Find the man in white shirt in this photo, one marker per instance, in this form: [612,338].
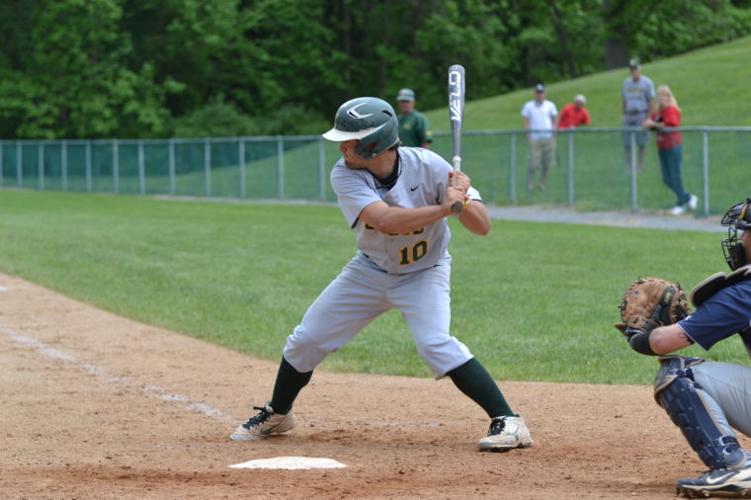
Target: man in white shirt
[540,116]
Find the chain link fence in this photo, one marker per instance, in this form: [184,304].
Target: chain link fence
[591,173]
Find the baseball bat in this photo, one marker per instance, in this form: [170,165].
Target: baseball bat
[456,117]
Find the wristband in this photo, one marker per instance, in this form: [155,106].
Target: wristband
[639,342]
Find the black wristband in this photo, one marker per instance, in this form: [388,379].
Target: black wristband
[639,342]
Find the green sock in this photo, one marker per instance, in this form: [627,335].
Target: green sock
[288,384]
[474,380]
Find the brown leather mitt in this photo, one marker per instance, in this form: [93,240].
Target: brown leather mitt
[652,302]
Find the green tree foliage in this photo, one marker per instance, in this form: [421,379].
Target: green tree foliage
[63,73]
[151,68]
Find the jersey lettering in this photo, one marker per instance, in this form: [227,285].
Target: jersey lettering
[416,231]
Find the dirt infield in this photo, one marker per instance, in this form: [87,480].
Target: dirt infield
[94,406]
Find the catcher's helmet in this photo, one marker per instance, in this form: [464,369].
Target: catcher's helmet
[737,218]
[370,120]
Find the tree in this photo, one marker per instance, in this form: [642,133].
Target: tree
[68,78]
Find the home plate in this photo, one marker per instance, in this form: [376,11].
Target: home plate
[290,463]
[3,289]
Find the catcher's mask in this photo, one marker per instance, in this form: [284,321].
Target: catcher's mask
[737,218]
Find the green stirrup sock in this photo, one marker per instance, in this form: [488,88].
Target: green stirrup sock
[474,380]
[288,384]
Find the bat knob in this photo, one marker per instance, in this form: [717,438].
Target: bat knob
[457,207]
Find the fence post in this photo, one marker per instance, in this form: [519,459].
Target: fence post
[171,166]
[280,166]
[40,165]
[64,163]
[115,166]
[571,168]
[88,166]
[241,162]
[634,203]
[705,169]
[19,164]
[207,167]
[512,167]
[322,167]
[141,169]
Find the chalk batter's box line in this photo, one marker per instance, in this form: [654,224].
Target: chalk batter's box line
[178,400]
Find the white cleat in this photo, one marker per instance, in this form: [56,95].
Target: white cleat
[506,433]
[693,202]
[678,210]
[264,424]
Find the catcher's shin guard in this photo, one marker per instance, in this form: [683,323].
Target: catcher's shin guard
[690,408]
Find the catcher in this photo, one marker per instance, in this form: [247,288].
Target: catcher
[705,399]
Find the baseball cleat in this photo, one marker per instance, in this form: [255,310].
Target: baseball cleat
[733,483]
[264,424]
[506,433]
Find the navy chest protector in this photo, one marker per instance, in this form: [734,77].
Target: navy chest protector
[713,284]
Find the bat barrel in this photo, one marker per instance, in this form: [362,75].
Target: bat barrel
[456,87]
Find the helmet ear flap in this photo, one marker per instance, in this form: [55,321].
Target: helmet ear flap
[366,151]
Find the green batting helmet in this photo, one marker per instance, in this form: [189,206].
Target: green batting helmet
[370,120]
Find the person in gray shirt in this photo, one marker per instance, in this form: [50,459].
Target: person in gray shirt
[637,95]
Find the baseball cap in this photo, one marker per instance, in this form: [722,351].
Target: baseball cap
[539,87]
[580,98]
[406,95]
[634,62]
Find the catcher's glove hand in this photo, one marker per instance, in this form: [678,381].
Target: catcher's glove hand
[649,303]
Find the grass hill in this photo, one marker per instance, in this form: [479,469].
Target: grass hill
[712,86]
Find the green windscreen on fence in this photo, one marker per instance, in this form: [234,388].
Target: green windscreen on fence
[591,170]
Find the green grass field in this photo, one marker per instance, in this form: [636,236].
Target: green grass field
[532,301]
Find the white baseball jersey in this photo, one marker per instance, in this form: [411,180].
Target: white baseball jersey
[408,272]
[422,180]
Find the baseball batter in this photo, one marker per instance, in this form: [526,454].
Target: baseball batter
[397,200]
[706,400]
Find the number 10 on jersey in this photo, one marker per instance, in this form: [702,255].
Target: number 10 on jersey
[415,253]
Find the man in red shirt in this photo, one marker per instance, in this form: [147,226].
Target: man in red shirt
[575,114]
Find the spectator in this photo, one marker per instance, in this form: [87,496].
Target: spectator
[414,129]
[575,114]
[670,147]
[637,94]
[540,119]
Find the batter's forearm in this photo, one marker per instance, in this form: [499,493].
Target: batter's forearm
[475,218]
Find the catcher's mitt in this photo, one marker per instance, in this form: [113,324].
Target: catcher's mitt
[651,302]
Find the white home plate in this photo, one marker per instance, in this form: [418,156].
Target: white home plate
[3,289]
[290,463]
